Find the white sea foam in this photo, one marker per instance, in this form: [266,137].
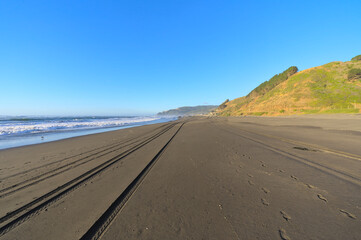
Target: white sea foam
[30,127]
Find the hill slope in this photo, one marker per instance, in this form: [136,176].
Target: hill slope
[188,111]
[330,88]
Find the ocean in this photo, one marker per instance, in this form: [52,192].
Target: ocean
[25,130]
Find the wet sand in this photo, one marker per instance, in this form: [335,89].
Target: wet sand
[196,178]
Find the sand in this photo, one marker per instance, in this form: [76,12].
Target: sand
[196,178]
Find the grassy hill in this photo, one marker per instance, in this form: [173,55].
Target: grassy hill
[331,88]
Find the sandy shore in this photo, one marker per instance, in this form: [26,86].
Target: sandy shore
[196,178]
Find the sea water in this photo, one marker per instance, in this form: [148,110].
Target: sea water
[25,130]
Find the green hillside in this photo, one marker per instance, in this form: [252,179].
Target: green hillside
[331,88]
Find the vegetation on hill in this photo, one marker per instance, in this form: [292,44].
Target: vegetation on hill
[188,111]
[330,88]
[266,86]
[354,74]
[357,58]
[223,105]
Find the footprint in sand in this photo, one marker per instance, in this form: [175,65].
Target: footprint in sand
[285,215]
[265,190]
[249,175]
[350,215]
[321,197]
[250,182]
[309,185]
[294,177]
[282,171]
[283,234]
[263,165]
[264,202]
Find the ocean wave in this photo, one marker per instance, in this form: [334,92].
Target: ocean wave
[50,125]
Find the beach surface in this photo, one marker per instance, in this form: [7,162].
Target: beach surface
[285,178]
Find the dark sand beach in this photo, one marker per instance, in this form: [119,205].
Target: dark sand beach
[293,177]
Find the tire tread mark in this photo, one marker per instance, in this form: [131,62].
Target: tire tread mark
[67,188]
[8,191]
[99,227]
[77,155]
[328,170]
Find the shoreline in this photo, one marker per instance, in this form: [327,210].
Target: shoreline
[8,142]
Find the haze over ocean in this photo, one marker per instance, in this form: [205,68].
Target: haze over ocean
[142,57]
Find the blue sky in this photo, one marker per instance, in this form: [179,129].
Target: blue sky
[141,57]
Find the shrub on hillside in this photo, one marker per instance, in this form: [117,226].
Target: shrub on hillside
[354,73]
[223,105]
[357,58]
[275,80]
[291,70]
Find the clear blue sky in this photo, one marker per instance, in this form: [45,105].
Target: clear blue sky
[140,57]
